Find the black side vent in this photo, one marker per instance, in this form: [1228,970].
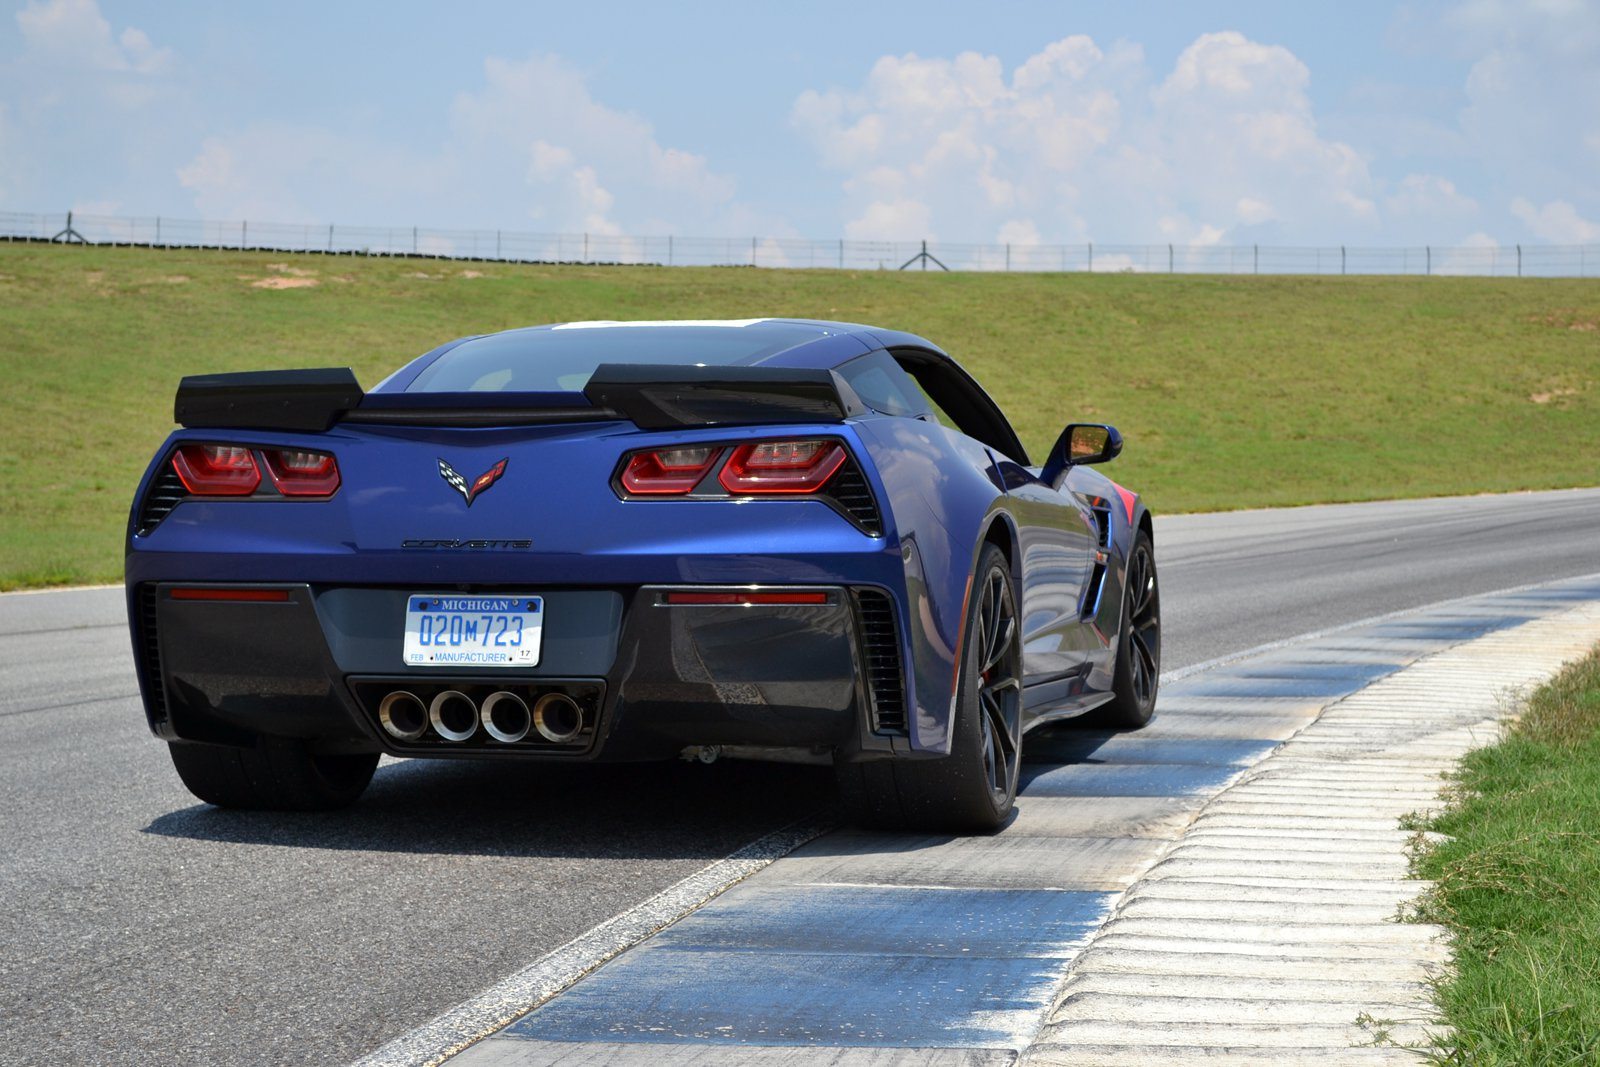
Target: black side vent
[150,652]
[880,654]
[165,493]
[1095,587]
[848,489]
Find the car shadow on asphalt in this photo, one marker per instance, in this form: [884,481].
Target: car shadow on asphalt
[644,810]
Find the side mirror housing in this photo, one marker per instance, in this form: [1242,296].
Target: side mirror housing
[1082,443]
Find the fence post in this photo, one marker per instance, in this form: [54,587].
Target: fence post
[586,248]
[1341,259]
[330,237]
[1169,260]
[841,253]
[1091,257]
[1008,255]
[1255,259]
[1428,249]
[669,249]
[752,251]
[244,230]
[1519,261]
[158,229]
[413,240]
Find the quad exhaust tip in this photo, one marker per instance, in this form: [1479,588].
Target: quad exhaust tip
[557,717]
[403,715]
[505,717]
[454,715]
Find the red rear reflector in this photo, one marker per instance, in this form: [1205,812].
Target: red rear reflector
[253,595]
[781,466]
[299,472]
[747,598]
[216,470]
[668,470]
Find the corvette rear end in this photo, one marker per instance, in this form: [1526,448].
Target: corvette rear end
[574,587]
[613,541]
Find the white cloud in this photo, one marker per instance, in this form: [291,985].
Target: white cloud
[1530,117]
[530,144]
[1019,232]
[890,220]
[1557,222]
[586,166]
[1076,141]
[75,33]
[1253,212]
[1428,196]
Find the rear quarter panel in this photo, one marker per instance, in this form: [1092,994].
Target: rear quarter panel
[942,498]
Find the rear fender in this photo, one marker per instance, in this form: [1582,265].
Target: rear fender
[944,499]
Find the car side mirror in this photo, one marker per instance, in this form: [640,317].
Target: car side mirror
[1079,444]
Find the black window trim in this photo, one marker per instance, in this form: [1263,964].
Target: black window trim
[962,398]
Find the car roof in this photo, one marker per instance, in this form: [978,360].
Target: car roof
[770,342]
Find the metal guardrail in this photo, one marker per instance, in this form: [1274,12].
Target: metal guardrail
[839,254]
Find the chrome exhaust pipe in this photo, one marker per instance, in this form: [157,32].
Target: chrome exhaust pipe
[505,717]
[557,717]
[454,715]
[403,715]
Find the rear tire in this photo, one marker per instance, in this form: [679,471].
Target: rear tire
[1137,675]
[974,788]
[272,776]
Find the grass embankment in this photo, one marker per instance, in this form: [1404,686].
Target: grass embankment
[1232,391]
[1520,885]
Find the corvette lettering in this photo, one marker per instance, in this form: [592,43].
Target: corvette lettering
[424,542]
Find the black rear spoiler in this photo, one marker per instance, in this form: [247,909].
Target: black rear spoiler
[267,399]
[653,397]
[661,397]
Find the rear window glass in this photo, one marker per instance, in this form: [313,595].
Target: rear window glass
[561,360]
[883,386]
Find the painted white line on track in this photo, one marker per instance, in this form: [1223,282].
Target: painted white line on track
[1314,635]
[509,999]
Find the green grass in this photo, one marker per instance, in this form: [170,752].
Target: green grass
[1520,886]
[1232,391]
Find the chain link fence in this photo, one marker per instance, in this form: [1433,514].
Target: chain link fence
[839,254]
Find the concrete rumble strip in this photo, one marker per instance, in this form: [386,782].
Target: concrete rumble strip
[1268,930]
[1221,887]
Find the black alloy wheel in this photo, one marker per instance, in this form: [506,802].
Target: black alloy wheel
[974,788]
[1137,676]
[999,686]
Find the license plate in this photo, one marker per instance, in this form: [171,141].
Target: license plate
[473,631]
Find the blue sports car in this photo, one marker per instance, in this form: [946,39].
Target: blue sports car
[763,539]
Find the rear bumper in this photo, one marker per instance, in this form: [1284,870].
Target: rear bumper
[651,677]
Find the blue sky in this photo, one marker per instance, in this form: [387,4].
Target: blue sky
[1468,122]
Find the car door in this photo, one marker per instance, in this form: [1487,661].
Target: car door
[1056,529]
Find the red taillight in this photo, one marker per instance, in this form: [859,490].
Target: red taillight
[216,470]
[255,596]
[781,466]
[668,470]
[297,472]
[744,598]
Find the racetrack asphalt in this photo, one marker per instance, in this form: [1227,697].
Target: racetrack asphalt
[142,926]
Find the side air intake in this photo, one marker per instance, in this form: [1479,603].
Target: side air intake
[165,493]
[849,490]
[880,655]
[150,652]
